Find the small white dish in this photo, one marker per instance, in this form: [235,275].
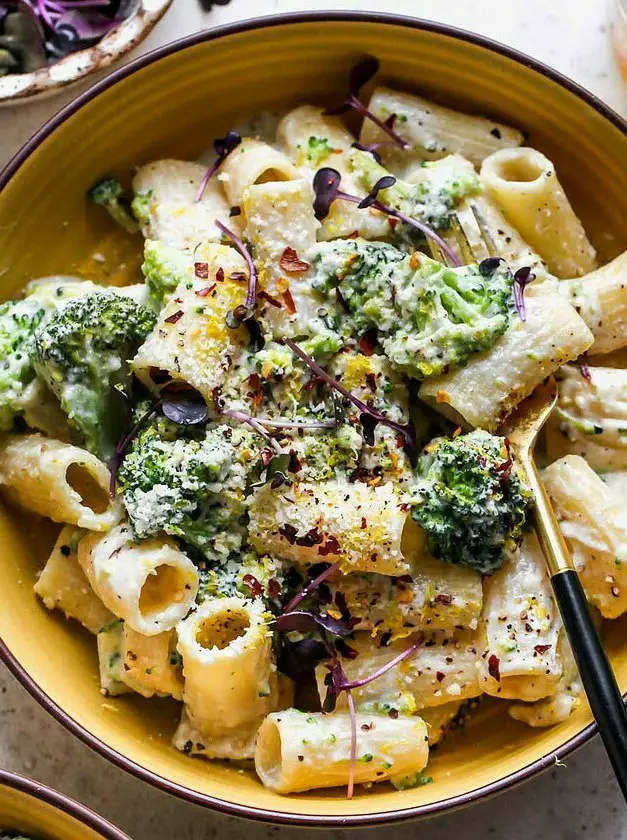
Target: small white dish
[24,87]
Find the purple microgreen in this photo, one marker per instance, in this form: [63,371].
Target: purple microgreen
[585,372]
[254,424]
[489,265]
[298,660]
[326,184]
[350,684]
[304,622]
[382,184]
[185,407]
[522,278]
[334,680]
[369,416]
[276,470]
[124,443]
[244,311]
[373,148]
[311,586]
[360,75]
[222,146]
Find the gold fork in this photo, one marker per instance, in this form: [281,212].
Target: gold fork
[522,429]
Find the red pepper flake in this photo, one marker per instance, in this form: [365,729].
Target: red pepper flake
[268,297]
[371,381]
[289,302]
[288,532]
[367,343]
[364,523]
[274,588]
[353,235]
[238,275]
[266,456]
[331,546]
[294,465]
[505,469]
[541,648]
[393,221]
[439,675]
[206,291]
[445,600]
[220,275]
[253,584]
[201,270]
[172,319]
[291,262]
[493,667]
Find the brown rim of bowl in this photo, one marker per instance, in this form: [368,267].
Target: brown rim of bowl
[479,794]
[63,803]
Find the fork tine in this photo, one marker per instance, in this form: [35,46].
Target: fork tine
[490,245]
[436,252]
[465,248]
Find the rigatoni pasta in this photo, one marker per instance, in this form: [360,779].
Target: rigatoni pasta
[150,584]
[524,184]
[299,751]
[264,521]
[62,584]
[57,480]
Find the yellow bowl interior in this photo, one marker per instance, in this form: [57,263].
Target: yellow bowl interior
[36,811]
[173,107]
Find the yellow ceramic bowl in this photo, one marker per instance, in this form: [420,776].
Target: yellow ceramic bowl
[173,102]
[38,812]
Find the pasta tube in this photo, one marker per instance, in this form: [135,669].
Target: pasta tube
[524,185]
[556,707]
[433,130]
[62,584]
[150,584]
[191,340]
[152,664]
[313,140]
[601,299]
[230,681]
[299,751]
[110,661]
[165,204]
[57,480]
[254,162]
[590,418]
[522,628]
[438,719]
[436,596]
[443,669]
[490,386]
[594,524]
[281,216]
[357,525]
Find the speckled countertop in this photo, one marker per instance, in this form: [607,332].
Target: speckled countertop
[578,800]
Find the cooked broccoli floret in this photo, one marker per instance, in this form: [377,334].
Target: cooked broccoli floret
[470,500]
[431,201]
[316,151]
[82,352]
[164,268]
[189,485]
[429,316]
[18,321]
[111,195]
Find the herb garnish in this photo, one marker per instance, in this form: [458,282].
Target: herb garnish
[360,75]
[369,417]
[222,146]
[326,186]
